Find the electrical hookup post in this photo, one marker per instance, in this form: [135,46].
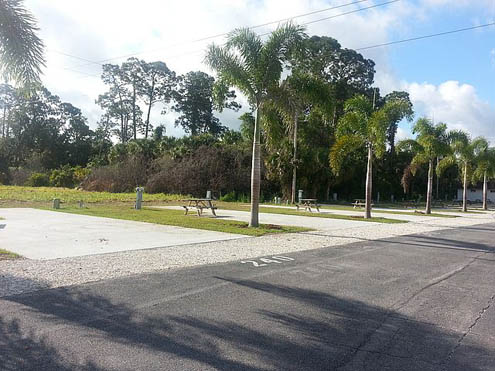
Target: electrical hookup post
[139,198]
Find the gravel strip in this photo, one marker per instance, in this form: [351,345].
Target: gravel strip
[23,275]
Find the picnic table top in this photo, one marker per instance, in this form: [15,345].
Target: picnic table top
[198,199]
[307,199]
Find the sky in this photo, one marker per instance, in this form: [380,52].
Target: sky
[450,78]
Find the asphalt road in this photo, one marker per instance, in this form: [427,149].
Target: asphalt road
[422,302]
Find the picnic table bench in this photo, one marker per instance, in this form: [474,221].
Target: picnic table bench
[308,203]
[199,204]
[360,203]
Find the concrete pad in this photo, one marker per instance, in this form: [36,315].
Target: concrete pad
[321,224]
[42,234]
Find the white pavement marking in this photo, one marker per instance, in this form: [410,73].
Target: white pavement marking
[42,234]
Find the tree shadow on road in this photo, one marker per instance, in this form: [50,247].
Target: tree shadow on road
[294,328]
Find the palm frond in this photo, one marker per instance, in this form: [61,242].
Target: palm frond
[230,69]
[276,50]
[341,149]
[21,50]
[445,163]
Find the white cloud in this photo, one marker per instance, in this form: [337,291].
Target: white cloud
[97,30]
[456,104]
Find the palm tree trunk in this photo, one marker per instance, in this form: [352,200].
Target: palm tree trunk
[485,186]
[369,176]
[429,191]
[294,164]
[464,192]
[256,172]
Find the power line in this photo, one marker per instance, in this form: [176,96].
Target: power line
[217,35]
[226,33]
[426,36]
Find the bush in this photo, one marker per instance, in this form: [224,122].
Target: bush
[38,180]
[219,169]
[63,177]
[121,177]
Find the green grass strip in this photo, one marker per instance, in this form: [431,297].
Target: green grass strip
[286,211]
[7,255]
[177,218]
[37,194]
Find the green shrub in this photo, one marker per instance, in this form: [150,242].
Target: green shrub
[63,177]
[229,197]
[38,180]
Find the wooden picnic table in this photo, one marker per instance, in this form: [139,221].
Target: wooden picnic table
[359,202]
[199,204]
[410,203]
[308,203]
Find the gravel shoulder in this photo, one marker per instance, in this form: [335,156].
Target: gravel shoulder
[24,275]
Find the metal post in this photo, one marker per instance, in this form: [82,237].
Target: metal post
[300,195]
[139,197]
[208,195]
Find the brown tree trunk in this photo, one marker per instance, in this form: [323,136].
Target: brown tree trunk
[294,165]
[464,192]
[429,191]
[485,186]
[4,120]
[256,172]
[134,123]
[369,179]
[149,108]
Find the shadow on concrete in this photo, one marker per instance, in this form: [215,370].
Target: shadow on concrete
[329,333]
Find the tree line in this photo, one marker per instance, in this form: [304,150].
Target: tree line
[315,122]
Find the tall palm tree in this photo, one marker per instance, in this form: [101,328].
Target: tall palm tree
[254,67]
[361,126]
[464,153]
[430,143]
[295,95]
[485,169]
[21,50]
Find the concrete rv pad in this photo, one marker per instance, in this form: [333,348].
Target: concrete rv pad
[42,234]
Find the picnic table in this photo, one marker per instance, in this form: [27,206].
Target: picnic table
[359,202]
[199,204]
[308,203]
[410,203]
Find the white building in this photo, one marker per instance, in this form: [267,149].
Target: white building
[476,194]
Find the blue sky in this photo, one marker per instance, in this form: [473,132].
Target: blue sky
[450,77]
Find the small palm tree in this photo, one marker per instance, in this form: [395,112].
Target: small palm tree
[360,126]
[21,50]
[464,153]
[254,67]
[430,143]
[485,169]
[290,99]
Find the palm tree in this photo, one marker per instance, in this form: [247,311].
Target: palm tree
[254,67]
[464,153]
[360,126]
[292,97]
[430,143]
[485,169]
[21,50]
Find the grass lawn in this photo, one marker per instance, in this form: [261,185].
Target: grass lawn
[68,195]
[7,255]
[285,211]
[177,218]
